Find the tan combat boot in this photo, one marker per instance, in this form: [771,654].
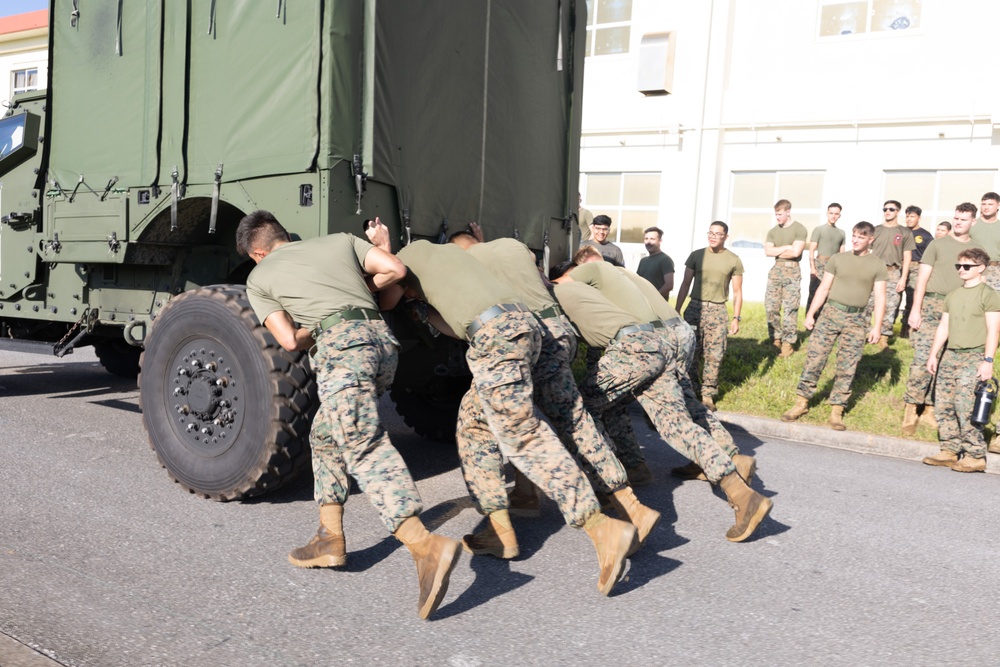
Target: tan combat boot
[613,540]
[523,499]
[969,464]
[927,417]
[496,539]
[746,466]
[800,408]
[751,507]
[910,419]
[639,475]
[994,445]
[777,343]
[944,458]
[435,557]
[643,518]
[883,343]
[786,351]
[327,548]
[709,402]
[837,418]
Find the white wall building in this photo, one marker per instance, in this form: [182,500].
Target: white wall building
[814,101]
[24,53]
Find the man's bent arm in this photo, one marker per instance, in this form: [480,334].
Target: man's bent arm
[289,336]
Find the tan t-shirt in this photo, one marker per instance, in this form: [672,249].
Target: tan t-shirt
[618,289]
[891,242]
[312,279]
[713,272]
[828,239]
[967,308]
[787,235]
[596,318]
[455,283]
[942,254]
[855,277]
[513,264]
[657,303]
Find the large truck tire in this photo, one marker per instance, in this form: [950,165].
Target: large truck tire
[227,410]
[118,357]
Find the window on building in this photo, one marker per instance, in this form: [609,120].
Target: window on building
[608,26]
[939,192]
[754,193]
[630,199]
[24,80]
[838,18]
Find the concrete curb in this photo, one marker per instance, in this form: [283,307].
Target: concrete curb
[855,441]
[15,654]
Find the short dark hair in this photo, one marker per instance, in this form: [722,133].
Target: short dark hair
[967,207]
[866,227]
[720,223]
[259,229]
[945,224]
[977,255]
[657,230]
[561,269]
[992,195]
[894,202]
[914,209]
[836,206]
[463,232]
[601,221]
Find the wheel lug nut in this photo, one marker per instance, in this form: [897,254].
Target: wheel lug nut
[206,430]
[210,366]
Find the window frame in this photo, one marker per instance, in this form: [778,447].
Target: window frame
[868,33]
[615,210]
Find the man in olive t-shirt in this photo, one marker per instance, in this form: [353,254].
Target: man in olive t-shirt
[785,242]
[970,325]
[708,273]
[826,241]
[894,244]
[848,280]
[936,278]
[317,294]
[986,232]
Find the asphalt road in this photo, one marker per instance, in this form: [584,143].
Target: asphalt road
[866,560]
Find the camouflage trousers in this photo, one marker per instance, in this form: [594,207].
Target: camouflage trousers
[498,418]
[814,282]
[991,276]
[354,363]
[920,383]
[953,401]
[849,331]
[892,299]
[711,323]
[784,292]
[640,366]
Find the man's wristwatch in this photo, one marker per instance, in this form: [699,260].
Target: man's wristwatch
[737,318]
[989,359]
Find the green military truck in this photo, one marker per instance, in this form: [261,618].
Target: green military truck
[165,122]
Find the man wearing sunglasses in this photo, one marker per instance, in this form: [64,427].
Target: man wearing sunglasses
[970,325]
[894,244]
[849,278]
[936,278]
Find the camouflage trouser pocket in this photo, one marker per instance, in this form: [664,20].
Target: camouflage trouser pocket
[336,381]
[505,393]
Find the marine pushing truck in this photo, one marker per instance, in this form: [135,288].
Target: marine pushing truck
[164,123]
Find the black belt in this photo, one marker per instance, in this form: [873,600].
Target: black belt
[492,312]
[346,316]
[846,308]
[552,311]
[633,328]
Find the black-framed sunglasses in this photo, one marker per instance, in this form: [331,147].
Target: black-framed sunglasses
[966,267]
[889,208]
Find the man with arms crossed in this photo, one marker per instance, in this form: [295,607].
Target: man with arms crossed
[785,242]
[986,232]
[936,278]
[318,293]
[708,273]
[848,280]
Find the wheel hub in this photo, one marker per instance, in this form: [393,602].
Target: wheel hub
[206,397]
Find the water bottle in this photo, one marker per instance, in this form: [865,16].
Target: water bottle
[986,397]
